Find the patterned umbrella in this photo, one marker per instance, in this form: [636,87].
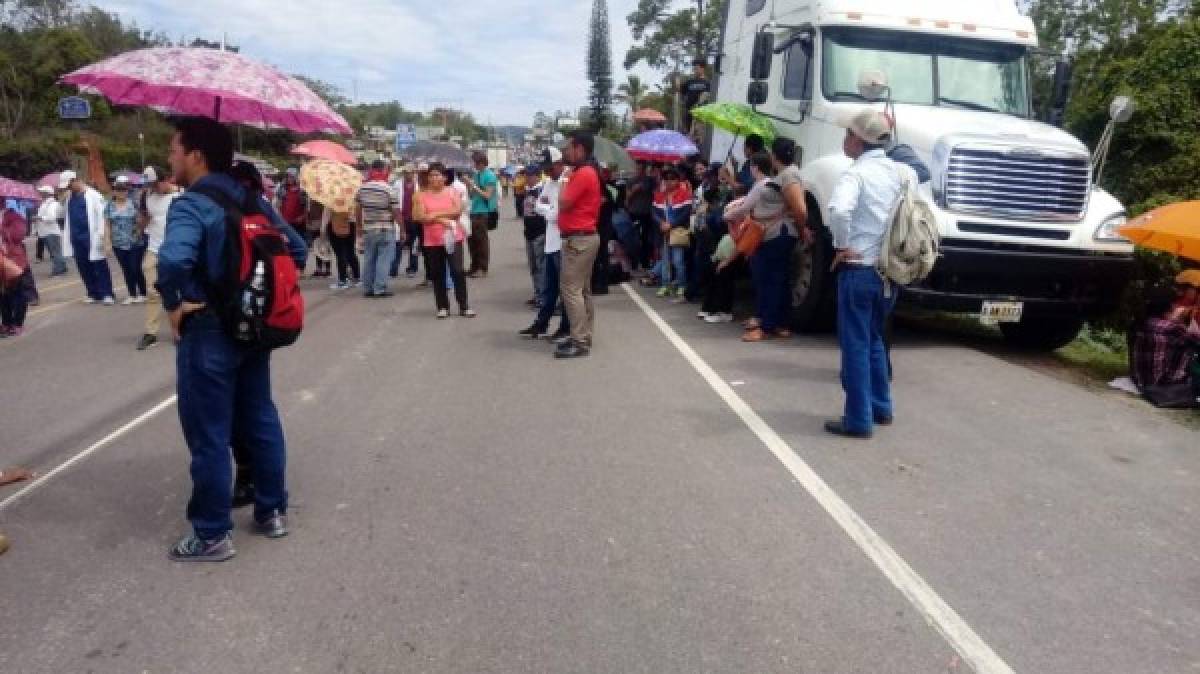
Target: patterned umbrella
[661,145]
[736,118]
[331,183]
[11,189]
[49,180]
[323,149]
[225,86]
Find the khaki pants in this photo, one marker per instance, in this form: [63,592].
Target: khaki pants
[578,256]
[154,310]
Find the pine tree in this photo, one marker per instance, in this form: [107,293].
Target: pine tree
[599,66]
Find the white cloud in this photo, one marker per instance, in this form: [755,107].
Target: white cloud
[501,61]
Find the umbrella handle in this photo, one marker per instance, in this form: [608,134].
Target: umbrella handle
[217,109]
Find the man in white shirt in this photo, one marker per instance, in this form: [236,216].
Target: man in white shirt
[47,230]
[859,212]
[547,207]
[152,214]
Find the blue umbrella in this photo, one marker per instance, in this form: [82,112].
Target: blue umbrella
[661,145]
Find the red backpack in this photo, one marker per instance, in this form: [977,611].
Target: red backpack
[258,296]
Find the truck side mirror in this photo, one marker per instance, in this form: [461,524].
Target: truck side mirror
[761,57]
[756,93]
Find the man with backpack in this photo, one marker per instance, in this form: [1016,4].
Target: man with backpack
[223,375]
[860,213]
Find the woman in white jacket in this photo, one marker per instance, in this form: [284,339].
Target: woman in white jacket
[84,238]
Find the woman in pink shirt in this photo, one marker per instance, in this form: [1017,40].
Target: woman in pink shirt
[438,208]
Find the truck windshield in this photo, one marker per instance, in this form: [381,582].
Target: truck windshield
[928,70]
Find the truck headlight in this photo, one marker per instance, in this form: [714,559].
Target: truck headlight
[1107,231]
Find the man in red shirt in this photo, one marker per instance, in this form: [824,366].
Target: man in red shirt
[578,213]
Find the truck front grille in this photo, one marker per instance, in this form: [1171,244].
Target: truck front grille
[1028,185]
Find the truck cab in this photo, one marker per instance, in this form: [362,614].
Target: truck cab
[1028,239]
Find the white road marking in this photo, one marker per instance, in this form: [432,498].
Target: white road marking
[933,608]
[43,479]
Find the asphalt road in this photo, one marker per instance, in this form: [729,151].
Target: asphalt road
[463,503]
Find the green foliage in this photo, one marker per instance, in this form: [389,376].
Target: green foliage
[666,38]
[632,91]
[599,66]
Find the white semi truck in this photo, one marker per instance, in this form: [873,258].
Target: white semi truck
[1028,239]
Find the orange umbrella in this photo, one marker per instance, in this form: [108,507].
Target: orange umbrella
[1173,229]
[323,149]
[649,115]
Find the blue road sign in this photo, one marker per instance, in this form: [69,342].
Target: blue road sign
[74,107]
[406,136]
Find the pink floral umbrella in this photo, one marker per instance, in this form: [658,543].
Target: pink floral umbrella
[11,189]
[324,149]
[224,86]
[49,180]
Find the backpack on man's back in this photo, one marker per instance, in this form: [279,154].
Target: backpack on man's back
[911,244]
[258,296]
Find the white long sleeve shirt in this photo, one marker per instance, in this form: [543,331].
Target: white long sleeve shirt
[547,207]
[47,218]
[862,203]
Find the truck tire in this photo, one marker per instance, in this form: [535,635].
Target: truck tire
[813,289]
[1044,333]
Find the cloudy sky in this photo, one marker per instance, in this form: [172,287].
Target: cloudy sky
[500,60]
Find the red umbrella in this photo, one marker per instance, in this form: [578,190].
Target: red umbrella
[649,115]
[11,189]
[323,149]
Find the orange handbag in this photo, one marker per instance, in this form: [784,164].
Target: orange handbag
[10,271]
[749,236]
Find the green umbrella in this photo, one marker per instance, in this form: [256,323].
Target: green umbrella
[613,156]
[736,118]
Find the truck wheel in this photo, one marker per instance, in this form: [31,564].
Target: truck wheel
[1043,333]
[813,307]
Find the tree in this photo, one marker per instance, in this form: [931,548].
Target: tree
[599,66]
[632,91]
[326,91]
[667,39]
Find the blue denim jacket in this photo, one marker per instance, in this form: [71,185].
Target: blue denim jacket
[195,242]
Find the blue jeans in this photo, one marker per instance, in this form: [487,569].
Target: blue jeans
[94,274]
[862,313]
[551,280]
[677,266]
[771,267]
[220,385]
[379,249]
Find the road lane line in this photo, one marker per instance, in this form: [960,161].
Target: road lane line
[43,479]
[65,284]
[51,307]
[924,599]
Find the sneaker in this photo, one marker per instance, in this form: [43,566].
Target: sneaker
[443,313]
[140,299]
[532,332]
[273,526]
[561,340]
[108,301]
[663,292]
[194,549]
[146,342]
[340,285]
[128,301]
[718,318]
[467,313]
[559,335]
[89,300]
[703,315]
[571,349]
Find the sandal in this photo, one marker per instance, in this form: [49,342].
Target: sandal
[11,475]
[754,335]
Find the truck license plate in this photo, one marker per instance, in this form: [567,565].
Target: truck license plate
[1001,312]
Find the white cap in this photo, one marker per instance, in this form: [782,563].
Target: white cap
[65,178]
[150,174]
[422,167]
[122,181]
[45,189]
[870,125]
